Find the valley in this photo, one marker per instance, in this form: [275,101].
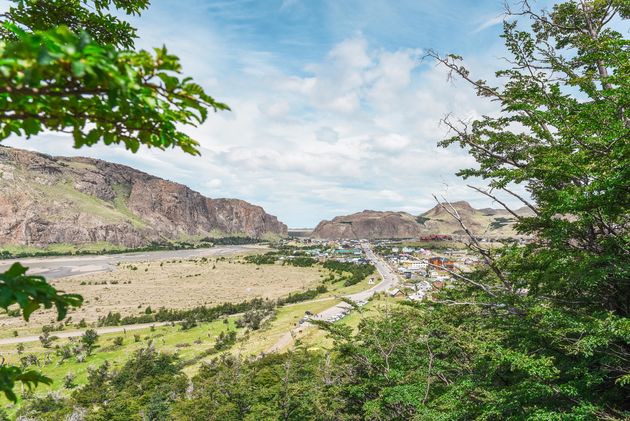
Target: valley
[138,284]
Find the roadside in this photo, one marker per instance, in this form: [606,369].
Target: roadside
[77,333]
[388,279]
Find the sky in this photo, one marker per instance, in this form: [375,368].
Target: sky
[334,109]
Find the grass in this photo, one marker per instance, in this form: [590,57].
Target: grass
[120,204]
[286,318]
[82,202]
[169,339]
[193,343]
[314,339]
[338,288]
[189,344]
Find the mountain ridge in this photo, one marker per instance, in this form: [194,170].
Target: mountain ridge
[76,200]
[370,224]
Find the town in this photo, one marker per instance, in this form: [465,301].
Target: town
[419,270]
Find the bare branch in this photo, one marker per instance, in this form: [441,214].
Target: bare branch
[484,253]
[525,202]
[493,197]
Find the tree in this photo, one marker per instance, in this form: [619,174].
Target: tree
[70,66]
[29,293]
[89,339]
[559,306]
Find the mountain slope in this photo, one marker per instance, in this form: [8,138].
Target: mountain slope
[373,224]
[46,200]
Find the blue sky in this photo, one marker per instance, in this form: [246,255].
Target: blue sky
[333,109]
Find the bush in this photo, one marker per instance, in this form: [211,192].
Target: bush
[225,340]
[262,259]
[301,261]
[188,323]
[89,339]
[358,272]
[68,381]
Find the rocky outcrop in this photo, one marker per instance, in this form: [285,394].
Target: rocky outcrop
[369,224]
[46,200]
[401,225]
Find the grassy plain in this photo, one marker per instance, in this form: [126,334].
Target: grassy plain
[178,284]
[185,283]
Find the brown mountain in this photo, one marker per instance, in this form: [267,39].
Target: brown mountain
[46,200]
[374,224]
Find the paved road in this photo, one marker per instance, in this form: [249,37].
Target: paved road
[388,280]
[62,266]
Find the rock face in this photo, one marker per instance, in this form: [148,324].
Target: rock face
[398,225]
[46,200]
[369,224]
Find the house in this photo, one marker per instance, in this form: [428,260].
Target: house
[438,285]
[414,265]
[395,293]
[442,262]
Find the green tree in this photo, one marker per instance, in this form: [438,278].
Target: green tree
[89,340]
[70,66]
[29,293]
[559,305]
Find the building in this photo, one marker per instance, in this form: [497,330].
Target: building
[414,265]
[442,262]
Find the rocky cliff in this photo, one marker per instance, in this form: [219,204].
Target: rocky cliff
[397,225]
[46,200]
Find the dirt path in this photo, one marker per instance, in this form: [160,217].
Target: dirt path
[76,333]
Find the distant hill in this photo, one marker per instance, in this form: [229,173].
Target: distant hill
[375,224]
[48,200]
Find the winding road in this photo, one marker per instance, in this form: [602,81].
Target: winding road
[389,279]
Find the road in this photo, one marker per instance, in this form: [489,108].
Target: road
[62,266]
[389,279]
[76,333]
[56,267]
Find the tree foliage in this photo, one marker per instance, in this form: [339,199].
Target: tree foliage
[70,66]
[542,331]
[29,293]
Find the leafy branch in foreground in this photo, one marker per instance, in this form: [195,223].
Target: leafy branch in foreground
[29,293]
[62,81]
[70,66]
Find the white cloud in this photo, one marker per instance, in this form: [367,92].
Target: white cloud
[490,22]
[356,130]
[326,134]
[391,143]
[215,183]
